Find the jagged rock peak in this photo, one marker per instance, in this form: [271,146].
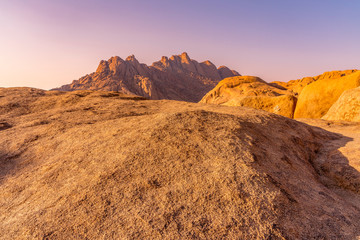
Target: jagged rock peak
[207,62]
[185,57]
[225,72]
[164,60]
[103,66]
[131,58]
[223,67]
[111,64]
[115,59]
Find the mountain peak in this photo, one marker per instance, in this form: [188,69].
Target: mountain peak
[115,59]
[207,62]
[103,66]
[226,72]
[164,59]
[185,57]
[131,58]
[223,67]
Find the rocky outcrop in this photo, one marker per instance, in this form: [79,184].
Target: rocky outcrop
[296,86]
[346,108]
[252,92]
[309,97]
[316,98]
[176,78]
[105,165]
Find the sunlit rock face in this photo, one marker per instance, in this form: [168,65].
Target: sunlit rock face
[309,97]
[176,78]
[346,108]
[252,92]
[316,98]
[296,86]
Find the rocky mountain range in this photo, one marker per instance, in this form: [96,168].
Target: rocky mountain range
[185,79]
[175,78]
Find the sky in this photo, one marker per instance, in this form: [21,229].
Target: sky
[46,44]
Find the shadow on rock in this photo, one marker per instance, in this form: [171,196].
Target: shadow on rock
[332,165]
[7,164]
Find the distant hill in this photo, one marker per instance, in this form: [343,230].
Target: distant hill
[175,78]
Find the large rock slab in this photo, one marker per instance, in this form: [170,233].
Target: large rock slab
[296,86]
[248,91]
[316,98]
[346,108]
[105,165]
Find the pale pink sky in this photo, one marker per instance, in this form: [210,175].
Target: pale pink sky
[46,44]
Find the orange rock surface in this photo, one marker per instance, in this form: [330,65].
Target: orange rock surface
[106,165]
[346,108]
[316,98]
[252,92]
[296,86]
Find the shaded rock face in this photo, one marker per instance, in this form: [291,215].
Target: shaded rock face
[346,108]
[252,92]
[316,98]
[176,78]
[105,165]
